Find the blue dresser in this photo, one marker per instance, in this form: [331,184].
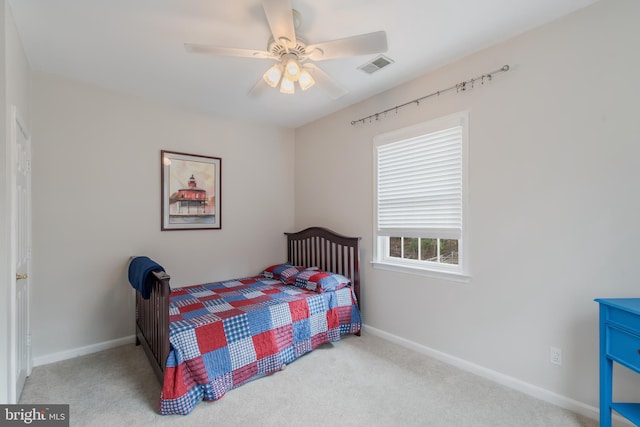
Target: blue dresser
[620,343]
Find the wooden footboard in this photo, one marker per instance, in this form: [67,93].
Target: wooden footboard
[315,246]
[152,323]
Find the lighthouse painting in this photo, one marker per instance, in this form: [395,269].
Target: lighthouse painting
[190,191]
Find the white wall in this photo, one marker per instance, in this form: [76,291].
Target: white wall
[14,86]
[554,206]
[96,197]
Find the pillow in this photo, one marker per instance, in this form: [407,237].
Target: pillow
[281,271]
[317,280]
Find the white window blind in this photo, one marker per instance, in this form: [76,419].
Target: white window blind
[419,184]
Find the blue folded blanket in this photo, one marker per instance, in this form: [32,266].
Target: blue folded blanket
[140,277]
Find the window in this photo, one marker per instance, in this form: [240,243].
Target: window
[420,188]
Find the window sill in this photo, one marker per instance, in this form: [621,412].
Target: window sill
[445,275]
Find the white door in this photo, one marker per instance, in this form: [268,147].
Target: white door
[20,357]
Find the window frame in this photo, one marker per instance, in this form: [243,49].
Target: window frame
[381,258]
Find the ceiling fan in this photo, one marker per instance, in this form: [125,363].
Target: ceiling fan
[294,56]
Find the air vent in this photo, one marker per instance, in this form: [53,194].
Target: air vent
[378,63]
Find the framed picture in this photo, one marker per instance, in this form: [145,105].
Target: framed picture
[191,191]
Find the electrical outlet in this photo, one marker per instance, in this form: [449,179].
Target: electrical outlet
[555,356]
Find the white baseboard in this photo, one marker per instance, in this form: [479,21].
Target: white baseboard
[513,383]
[81,351]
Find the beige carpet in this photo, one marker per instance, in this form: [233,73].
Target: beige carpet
[359,381]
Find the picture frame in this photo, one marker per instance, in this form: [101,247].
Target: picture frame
[191,191]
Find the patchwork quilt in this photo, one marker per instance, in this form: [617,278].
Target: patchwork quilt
[225,334]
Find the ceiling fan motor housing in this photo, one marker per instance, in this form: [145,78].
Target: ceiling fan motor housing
[278,49]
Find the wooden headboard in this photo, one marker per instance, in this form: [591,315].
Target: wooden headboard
[327,250]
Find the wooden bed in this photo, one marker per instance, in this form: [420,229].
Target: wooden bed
[314,246]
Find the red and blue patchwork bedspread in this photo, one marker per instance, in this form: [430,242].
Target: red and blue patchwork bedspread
[225,334]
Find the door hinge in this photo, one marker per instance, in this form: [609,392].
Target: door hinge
[28,340]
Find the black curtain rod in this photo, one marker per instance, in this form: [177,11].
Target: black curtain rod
[460,86]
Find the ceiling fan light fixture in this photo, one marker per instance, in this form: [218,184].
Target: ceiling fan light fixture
[305,80]
[272,75]
[287,86]
[291,66]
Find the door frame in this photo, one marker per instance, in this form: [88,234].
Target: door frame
[17,125]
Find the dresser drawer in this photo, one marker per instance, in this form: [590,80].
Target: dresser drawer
[624,318]
[624,347]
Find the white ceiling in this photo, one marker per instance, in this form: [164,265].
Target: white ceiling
[136,46]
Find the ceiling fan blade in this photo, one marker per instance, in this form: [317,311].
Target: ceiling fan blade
[226,51]
[258,89]
[363,44]
[325,82]
[280,17]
